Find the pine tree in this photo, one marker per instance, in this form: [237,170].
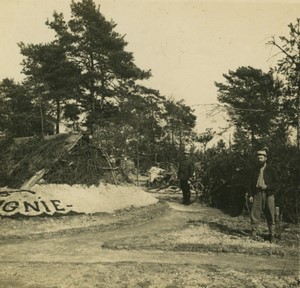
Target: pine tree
[99,54]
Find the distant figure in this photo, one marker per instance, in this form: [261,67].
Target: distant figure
[264,183]
[185,174]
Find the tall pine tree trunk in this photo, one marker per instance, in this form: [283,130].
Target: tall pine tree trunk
[252,138]
[298,126]
[57,115]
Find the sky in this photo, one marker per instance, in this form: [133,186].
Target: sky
[187,44]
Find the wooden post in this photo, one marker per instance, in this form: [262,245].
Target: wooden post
[111,169]
[137,161]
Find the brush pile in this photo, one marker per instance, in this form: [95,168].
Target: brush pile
[66,158]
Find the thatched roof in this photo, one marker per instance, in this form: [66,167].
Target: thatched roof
[65,158]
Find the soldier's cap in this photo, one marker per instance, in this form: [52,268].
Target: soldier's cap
[262,152]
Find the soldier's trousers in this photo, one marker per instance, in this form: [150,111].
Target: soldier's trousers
[265,204]
[186,193]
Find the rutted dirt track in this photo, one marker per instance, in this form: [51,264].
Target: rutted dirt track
[164,245]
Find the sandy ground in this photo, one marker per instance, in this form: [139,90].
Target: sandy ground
[162,245]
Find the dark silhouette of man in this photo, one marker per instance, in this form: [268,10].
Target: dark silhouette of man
[185,174]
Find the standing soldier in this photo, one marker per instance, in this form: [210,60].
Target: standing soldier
[185,174]
[264,183]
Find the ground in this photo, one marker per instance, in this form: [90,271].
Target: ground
[162,245]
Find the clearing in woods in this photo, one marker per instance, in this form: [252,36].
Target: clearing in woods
[162,245]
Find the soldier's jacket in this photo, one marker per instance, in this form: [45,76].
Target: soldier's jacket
[270,177]
[186,169]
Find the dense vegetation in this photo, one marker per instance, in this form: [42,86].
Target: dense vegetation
[86,80]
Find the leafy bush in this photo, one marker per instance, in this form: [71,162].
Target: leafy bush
[225,173]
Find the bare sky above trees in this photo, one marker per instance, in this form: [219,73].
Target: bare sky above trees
[187,44]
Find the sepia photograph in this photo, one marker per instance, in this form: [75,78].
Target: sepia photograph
[150,143]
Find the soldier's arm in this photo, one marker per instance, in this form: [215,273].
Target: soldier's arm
[275,180]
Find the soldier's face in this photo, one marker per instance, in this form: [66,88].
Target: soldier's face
[261,159]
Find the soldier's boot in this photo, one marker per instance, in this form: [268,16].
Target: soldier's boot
[271,233]
[254,235]
[271,238]
[188,199]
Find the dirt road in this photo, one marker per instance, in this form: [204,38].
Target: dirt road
[164,245]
